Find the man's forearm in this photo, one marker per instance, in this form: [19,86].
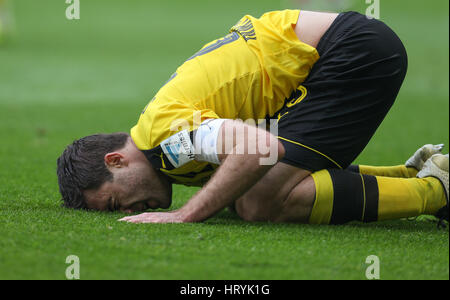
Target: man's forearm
[237,174]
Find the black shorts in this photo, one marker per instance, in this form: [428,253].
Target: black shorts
[331,117]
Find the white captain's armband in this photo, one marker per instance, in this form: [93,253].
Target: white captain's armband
[205,140]
[178,148]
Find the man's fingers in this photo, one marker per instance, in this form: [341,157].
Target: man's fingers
[142,218]
[135,220]
[152,218]
[128,218]
[131,219]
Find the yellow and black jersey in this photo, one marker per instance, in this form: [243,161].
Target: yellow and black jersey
[247,74]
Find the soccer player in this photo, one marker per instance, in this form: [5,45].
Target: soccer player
[325,80]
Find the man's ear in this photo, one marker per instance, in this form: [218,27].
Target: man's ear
[115,160]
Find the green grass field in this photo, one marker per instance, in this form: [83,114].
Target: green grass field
[61,80]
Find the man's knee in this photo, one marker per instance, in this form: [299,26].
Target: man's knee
[298,204]
[283,207]
[254,209]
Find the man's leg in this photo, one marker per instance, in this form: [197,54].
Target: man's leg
[399,171]
[409,170]
[343,196]
[327,122]
[338,196]
[264,201]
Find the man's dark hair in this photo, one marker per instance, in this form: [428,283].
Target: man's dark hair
[82,167]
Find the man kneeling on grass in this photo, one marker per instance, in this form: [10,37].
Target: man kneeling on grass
[326,81]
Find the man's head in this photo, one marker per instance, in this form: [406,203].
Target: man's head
[108,172]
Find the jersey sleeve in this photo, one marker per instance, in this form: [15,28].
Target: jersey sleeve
[162,119]
[159,121]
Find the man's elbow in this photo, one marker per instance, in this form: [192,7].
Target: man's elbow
[275,152]
[281,151]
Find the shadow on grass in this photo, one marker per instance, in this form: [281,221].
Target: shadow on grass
[421,224]
[231,219]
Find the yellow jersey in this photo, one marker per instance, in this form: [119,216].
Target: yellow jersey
[247,74]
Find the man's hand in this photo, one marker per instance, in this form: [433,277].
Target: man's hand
[155,217]
[239,171]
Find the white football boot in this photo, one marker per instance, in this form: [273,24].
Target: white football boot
[422,155]
[437,166]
